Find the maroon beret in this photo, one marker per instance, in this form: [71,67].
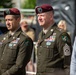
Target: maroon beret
[11,11]
[43,8]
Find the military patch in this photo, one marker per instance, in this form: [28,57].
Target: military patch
[40,10]
[8,11]
[51,38]
[14,42]
[18,39]
[54,34]
[64,38]
[10,45]
[26,43]
[66,50]
[48,43]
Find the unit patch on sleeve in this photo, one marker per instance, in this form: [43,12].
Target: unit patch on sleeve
[66,50]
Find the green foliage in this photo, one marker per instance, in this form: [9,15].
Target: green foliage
[6,4]
[29,4]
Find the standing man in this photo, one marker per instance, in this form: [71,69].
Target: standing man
[54,44]
[15,46]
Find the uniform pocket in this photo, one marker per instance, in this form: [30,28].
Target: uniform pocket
[50,53]
[12,51]
[48,47]
[12,55]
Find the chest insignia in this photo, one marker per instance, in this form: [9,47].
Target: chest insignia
[51,38]
[14,42]
[48,43]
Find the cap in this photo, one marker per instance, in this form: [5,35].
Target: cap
[43,8]
[11,11]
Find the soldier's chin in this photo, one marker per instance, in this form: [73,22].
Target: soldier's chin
[9,28]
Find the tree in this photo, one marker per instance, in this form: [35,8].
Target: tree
[29,4]
[6,4]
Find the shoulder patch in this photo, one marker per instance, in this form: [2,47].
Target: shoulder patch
[64,38]
[26,42]
[66,50]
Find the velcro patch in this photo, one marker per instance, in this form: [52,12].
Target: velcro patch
[64,38]
[66,50]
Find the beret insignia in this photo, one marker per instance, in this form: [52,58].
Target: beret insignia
[39,10]
[7,11]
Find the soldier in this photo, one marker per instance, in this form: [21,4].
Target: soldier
[54,44]
[15,46]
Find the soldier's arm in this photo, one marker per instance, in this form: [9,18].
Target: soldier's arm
[65,48]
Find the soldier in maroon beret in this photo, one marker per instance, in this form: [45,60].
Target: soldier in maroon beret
[16,47]
[43,8]
[12,11]
[53,46]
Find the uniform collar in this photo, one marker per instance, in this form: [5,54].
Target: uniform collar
[12,33]
[46,30]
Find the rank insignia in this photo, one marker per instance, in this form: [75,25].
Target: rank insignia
[66,49]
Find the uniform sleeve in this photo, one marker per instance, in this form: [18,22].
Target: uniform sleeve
[73,60]
[65,48]
[24,55]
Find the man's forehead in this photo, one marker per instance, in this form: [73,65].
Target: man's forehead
[9,17]
[44,13]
